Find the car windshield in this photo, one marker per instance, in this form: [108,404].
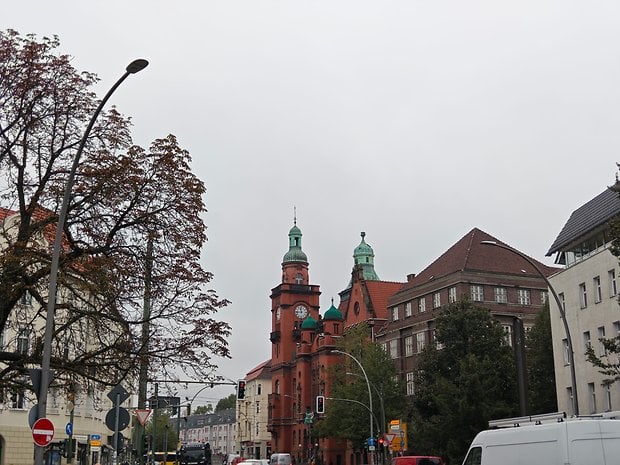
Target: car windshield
[194,453]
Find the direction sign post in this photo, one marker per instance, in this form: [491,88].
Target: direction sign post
[42,432]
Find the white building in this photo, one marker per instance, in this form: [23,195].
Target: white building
[588,288]
[252,414]
[218,429]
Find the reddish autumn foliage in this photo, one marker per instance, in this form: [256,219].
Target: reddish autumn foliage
[125,198]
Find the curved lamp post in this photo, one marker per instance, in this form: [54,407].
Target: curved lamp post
[133,67]
[369,394]
[569,341]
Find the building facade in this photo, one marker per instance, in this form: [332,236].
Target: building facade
[302,343]
[254,441]
[472,268]
[587,288]
[78,402]
[218,429]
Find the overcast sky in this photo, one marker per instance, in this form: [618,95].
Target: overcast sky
[412,120]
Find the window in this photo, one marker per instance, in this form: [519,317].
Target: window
[436,300]
[592,397]
[501,296]
[566,352]
[259,389]
[601,335]
[407,309]
[583,295]
[438,345]
[617,328]
[2,340]
[613,288]
[17,399]
[420,341]
[452,295]
[395,313]
[408,346]
[476,293]
[507,335]
[569,395]
[596,284]
[474,457]
[544,297]
[26,298]
[394,348]
[562,300]
[607,390]
[299,279]
[384,346]
[587,343]
[23,341]
[422,304]
[523,297]
[410,384]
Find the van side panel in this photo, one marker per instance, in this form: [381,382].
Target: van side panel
[594,442]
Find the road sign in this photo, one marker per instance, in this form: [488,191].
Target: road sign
[69,428]
[123,419]
[43,432]
[121,391]
[389,438]
[143,416]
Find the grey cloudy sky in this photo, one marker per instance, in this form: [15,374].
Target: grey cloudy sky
[412,120]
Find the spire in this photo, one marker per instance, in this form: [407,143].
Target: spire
[295,254]
[364,257]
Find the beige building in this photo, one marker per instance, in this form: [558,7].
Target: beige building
[588,289]
[254,441]
[84,410]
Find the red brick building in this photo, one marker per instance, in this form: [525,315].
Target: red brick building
[302,341]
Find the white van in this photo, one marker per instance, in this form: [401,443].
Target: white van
[575,441]
[280,459]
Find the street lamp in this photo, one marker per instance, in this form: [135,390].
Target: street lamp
[369,392]
[381,406]
[133,67]
[569,340]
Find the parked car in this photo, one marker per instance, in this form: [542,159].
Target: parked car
[418,460]
[256,462]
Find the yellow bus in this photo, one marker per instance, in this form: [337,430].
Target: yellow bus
[161,458]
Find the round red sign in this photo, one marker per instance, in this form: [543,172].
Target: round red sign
[43,432]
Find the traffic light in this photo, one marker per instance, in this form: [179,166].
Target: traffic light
[146,443]
[381,442]
[241,389]
[320,404]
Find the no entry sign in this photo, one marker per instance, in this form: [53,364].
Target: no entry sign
[43,432]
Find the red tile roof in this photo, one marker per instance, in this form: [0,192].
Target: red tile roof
[379,293]
[468,254]
[257,371]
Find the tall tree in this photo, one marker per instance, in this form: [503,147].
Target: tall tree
[469,380]
[347,413]
[125,199]
[540,366]
[226,403]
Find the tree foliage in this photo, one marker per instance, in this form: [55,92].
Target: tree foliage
[125,197]
[346,409]
[461,386]
[540,366]
[202,409]
[226,403]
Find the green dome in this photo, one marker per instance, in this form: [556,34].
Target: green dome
[308,323]
[332,314]
[294,254]
[364,256]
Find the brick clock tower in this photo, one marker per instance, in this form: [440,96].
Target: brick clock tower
[293,301]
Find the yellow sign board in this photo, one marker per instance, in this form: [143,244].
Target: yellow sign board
[399,430]
[95,443]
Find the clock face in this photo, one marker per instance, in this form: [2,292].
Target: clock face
[301,311]
[278,310]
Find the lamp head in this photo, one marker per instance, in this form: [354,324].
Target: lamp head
[137,66]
